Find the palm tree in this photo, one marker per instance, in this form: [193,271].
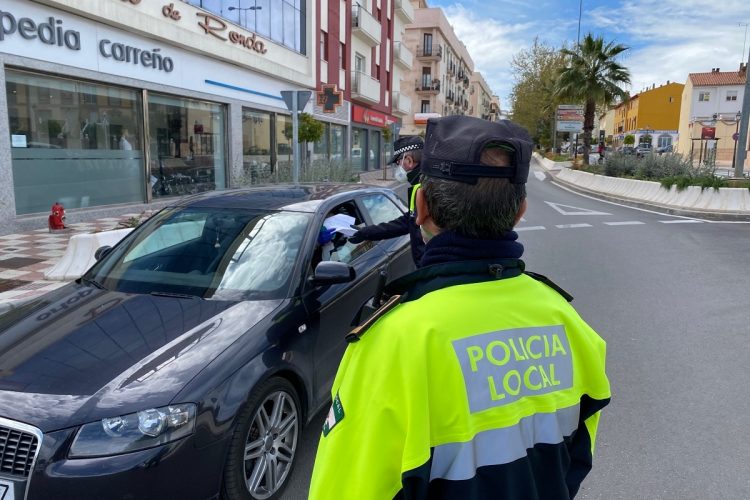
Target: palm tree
[592,76]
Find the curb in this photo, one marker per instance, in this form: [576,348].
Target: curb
[554,168]
[717,216]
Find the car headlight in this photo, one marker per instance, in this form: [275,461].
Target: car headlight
[136,431]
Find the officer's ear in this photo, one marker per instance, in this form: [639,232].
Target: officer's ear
[423,212]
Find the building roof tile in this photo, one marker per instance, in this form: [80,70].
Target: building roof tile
[715,78]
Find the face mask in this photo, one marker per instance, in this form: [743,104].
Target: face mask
[400,174]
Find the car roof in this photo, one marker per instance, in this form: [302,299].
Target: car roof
[294,197]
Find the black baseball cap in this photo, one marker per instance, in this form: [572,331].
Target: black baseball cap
[454,144]
[404,145]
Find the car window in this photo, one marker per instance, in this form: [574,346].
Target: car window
[340,248]
[183,227]
[208,252]
[381,208]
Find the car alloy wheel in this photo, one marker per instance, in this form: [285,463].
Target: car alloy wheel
[264,446]
[271,445]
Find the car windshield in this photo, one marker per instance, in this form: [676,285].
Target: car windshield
[207,252]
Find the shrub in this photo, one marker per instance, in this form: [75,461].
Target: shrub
[619,165]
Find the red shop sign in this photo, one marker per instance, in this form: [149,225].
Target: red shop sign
[370,117]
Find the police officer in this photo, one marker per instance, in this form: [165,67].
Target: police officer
[407,153]
[476,380]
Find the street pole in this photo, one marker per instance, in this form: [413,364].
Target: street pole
[580,11]
[736,139]
[295,139]
[742,150]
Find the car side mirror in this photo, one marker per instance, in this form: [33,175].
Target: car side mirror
[331,273]
[101,252]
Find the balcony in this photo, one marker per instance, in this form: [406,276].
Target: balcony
[365,26]
[432,52]
[401,104]
[402,56]
[365,87]
[427,85]
[405,11]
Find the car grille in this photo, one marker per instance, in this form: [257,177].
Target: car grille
[17,451]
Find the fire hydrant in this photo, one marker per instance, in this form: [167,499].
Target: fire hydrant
[56,219]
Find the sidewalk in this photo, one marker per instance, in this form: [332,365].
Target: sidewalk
[24,257]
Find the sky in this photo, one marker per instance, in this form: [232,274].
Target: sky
[667,39]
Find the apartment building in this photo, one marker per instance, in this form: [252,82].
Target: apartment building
[357,55]
[711,112]
[439,80]
[651,115]
[480,97]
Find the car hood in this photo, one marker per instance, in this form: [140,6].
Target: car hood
[80,354]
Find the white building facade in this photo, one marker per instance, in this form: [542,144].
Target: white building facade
[173,98]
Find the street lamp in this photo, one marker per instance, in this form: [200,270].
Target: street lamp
[245,9]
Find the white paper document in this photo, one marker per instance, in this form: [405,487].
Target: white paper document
[341,223]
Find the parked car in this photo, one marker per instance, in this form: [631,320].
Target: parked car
[626,150]
[643,149]
[185,362]
[664,149]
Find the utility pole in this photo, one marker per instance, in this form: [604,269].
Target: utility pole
[580,11]
[742,149]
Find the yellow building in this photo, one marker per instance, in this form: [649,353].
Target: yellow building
[654,112]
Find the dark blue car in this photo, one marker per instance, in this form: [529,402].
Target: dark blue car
[186,361]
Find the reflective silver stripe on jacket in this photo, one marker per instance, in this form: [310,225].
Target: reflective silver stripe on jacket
[459,461]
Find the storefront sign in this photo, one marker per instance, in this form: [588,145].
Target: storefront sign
[49,33]
[329,98]
[29,29]
[214,26]
[370,117]
[129,54]
[708,132]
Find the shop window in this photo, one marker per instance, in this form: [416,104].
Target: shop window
[256,147]
[284,152]
[338,135]
[70,144]
[188,142]
[320,148]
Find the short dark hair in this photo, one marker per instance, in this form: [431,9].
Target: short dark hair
[487,209]
[416,155]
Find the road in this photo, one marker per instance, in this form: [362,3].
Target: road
[670,296]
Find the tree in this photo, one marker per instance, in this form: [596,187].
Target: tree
[310,130]
[629,140]
[592,76]
[532,98]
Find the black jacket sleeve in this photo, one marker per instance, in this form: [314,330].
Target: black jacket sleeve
[386,230]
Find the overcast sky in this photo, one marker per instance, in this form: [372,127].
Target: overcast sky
[667,38]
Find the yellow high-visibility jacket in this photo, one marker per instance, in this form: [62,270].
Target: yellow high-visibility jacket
[471,387]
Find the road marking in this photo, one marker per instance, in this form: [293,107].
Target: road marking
[529,228]
[624,223]
[686,221]
[565,188]
[576,210]
[539,175]
[570,226]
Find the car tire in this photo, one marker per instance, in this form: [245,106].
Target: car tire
[268,428]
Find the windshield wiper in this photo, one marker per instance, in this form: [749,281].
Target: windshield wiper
[175,295]
[91,282]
